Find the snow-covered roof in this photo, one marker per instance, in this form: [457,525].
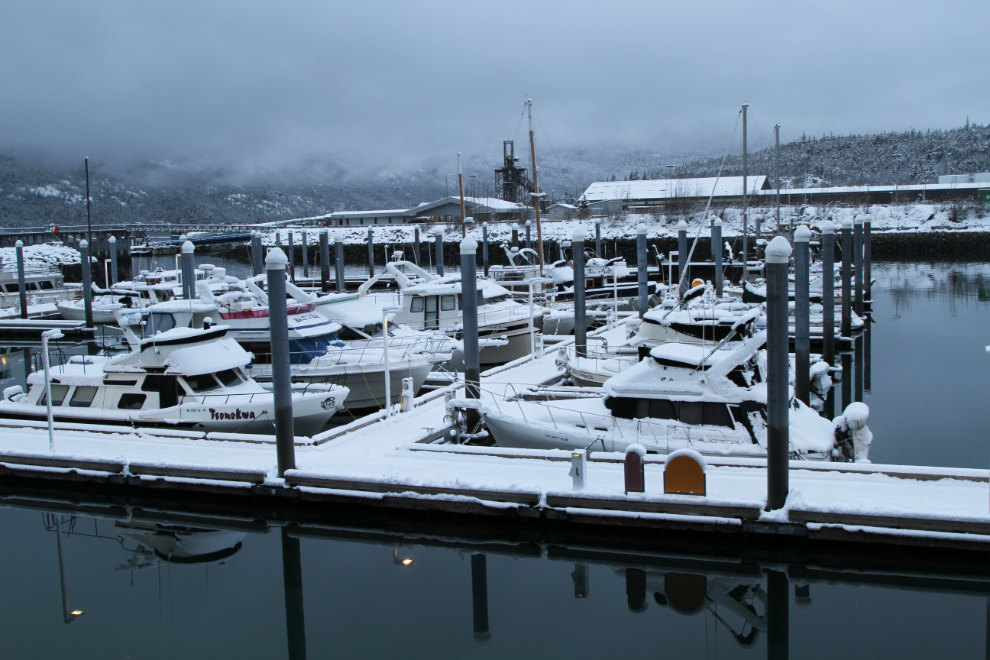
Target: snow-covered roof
[727,186]
[913,187]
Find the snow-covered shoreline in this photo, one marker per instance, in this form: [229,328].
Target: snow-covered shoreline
[895,218]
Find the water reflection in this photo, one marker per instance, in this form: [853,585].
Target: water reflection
[538,597]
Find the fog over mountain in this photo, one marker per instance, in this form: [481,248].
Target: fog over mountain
[312,105]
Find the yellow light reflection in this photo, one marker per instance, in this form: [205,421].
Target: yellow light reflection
[77,612]
[407,562]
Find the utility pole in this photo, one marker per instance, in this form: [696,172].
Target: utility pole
[460,184]
[536,185]
[89,217]
[776,170]
[745,245]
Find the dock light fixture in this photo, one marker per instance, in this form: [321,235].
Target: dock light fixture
[45,336]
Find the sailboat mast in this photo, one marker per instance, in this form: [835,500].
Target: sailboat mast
[460,185]
[745,246]
[536,185]
[776,171]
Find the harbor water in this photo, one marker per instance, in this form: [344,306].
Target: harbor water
[150,584]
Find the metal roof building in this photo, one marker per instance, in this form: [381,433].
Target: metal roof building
[660,192]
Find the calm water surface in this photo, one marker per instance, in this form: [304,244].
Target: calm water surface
[166,589]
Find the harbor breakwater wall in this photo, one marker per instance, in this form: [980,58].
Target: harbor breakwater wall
[886,246]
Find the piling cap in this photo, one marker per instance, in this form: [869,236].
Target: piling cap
[19,244]
[641,229]
[846,223]
[113,239]
[333,237]
[469,246]
[187,247]
[858,220]
[528,223]
[681,225]
[83,243]
[438,231]
[484,224]
[778,251]
[802,234]
[276,260]
[828,227]
[578,235]
[718,222]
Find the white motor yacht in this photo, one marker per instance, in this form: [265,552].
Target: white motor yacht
[182,378]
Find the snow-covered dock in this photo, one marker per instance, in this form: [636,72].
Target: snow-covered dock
[386,463]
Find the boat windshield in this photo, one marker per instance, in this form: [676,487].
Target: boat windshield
[202,383]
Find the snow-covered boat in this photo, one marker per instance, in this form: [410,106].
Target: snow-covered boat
[182,378]
[717,410]
[430,302]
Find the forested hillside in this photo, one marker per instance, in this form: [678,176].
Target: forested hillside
[35,192]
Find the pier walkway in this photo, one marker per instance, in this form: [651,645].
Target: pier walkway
[386,464]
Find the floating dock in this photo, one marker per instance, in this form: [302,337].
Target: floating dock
[387,466]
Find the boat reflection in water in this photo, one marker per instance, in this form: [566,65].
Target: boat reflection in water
[595,598]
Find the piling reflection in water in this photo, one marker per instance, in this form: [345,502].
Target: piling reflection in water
[688,601]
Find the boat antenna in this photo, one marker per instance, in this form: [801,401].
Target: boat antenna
[697,235]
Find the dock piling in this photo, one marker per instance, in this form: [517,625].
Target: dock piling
[717,251]
[338,266]
[802,312]
[858,263]
[87,281]
[529,230]
[371,252]
[469,298]
[281,377]
[257,261]
[292,256]
[580,326]
[21,285]
[858,368]
[867,259]
[778,373]
[716,246]
[484,247]
[113,259]
[439,249]
[188,272]
[416,248]
[682,255]
[305,254]
[324,261]
[828,292]
[515,236]
[598,238]
[846,329]
[641,269]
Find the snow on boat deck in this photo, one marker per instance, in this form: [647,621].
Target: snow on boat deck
[367,459]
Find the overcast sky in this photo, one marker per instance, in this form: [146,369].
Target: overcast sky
[395,84]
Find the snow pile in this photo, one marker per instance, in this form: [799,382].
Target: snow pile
[44,257]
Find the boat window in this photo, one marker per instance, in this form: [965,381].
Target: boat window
[47,285]
[228,377]
[691,412]
[131,401]
[58,395]
[448,303]
[202,383]
[31,286]
[416,305]
[159,322]
[717,414]
[662,409]
[12,287]
[82,397]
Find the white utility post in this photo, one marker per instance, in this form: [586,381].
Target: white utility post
[45,336]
